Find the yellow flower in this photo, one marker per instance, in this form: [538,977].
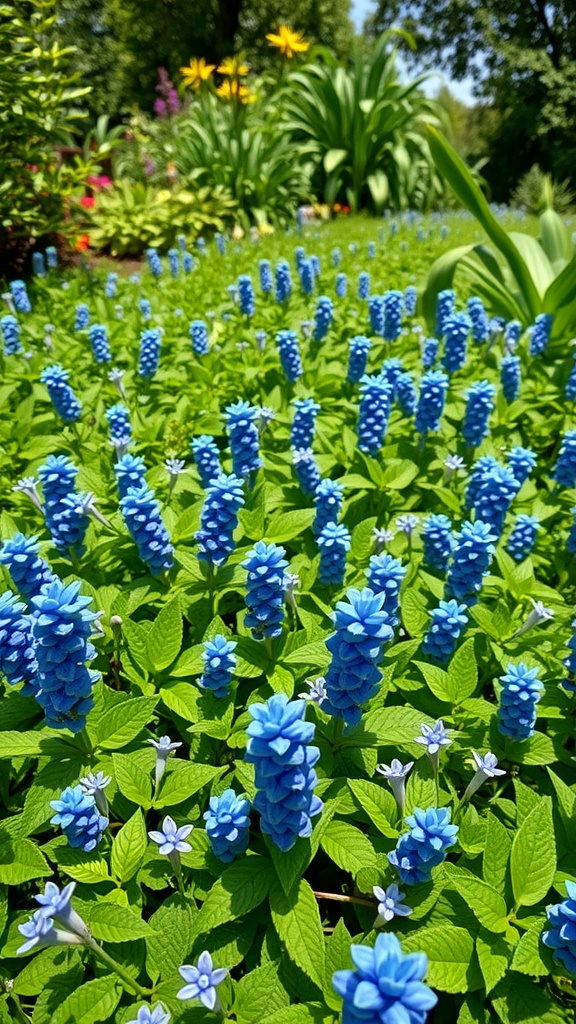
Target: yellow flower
[234,90]
[288,42]
[197,72]
[233,67]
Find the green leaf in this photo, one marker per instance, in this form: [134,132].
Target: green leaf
[333,158]
[40,969]
[519,1000]
[288,525]
[165,637]
[258,994]
[496,853]
[486,904]
[493,956]
[533,857]
[113,923]
[315,655]
[531,956]
[20,744]
[129,847]
[132,781]
[124,721]
[94,1001]
[393,726]
[450,953]
[348,847]
[184,782]
[378,804]
[20,861]
[415,618]
[240,888]
[301,1013]
[291,865]
[297,921]
[463,673]
[169,948]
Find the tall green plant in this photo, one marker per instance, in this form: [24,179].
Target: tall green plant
[364,129]
[528,276]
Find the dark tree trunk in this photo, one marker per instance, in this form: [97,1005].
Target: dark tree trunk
[227,22]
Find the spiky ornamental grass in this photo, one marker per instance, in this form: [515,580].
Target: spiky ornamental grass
[438,541]
[304,422]
[10,334]
[67,528]
[265,589]
[521,691]
[63,399]
[130,472]
[541,334]
[62,625]
[322,317]
[358,358]
[425,846]
[449,620]
[219,519]
[523,537]
[471,557]
[510,377]
[479,405]
[199,337]
[431,400]
[17,646]
[289,352]
[143,520]
[334,544]
[206,455]
[385,575]
[362,628]
[150,344]
[244,441]
[456,332]
[228,825]
[219,664]
[283,279]
[79,818]
[564,472]
[373,414]
[393,310]
[279,748]
[328,501]
[29,572]
[306,469]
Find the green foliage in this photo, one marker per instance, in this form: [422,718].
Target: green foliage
[536,192]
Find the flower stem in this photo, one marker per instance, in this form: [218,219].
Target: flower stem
[343,899]
[126,978]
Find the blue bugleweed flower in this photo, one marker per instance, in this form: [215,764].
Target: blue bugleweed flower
[374,411]
[362,627]
[154,262]
[299,256]
[265,274]
[145,308]
[174,262]
[79,818]
[358,358]
[445,307]
[410,299]
[385,575]
[219,664]
[541,333]
[479,318]
[130,473]
[430,348]
[425,846]
[371,250]
[17,648]
[322,317]
[328,501]
[82,317]
[207,458]
[485,464]
[521,691]
[199,336]
[246,295]
[228,825]
[20,296]
[560,936]
[315,261]
[393,309]
[510,377]
[341,285]
[279,748]
[304,422]
[201,981]
[336,256]
[51,257]
[376,314]
[564,472]
[283,281]
[118,417]
[219,519]
[387,986]
[456,331]
[433,388]
[479,404]
[471,557]
[29,572]
[306,274]
[265,589]
[512,334]
[143,520]
[449,620]
[289,352]
[306,469]
[66,527]
[570,389]
[437,538]
[111,284]
[150,342]
[187,262]
[64,400]
[62,626]
[363,285]
[201,245]
[390,904]
[243,435]
[496,490]
[334,543]
[523,537]
[392,369]
[10,334]
[569,663]
[406,394]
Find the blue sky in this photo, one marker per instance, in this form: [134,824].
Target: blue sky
[463,90]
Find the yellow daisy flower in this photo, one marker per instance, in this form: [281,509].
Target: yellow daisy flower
[231,89]
[197,72]
[233,67]
[288,42]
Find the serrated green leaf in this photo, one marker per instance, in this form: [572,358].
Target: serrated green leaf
[258,995]
[533,857]
[184,782]
[165,637]
[496,853]
[94,1001]
[129,847]
[378,804]
[113,923]
[487,905]
[494,955]
[519,1000]
[297,921]
[20,861]
[169,948]
[451,956]
[132,781]
[123,722]
[348,847]
[288,525]
[240,888]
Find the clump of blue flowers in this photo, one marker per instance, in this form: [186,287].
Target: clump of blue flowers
[510,376]
[376,314]
[228,825]
[393,309]
[445,306]
[456,331]
[358,358]
[328,501]
[17,654]
[334,544]
[219,519]
[10,334]
[479,318]
[322,317]
[306,469]
[207,458]
[438,541]
[199,337]
[479,404]
[523,537]
[541,333]
[265,589]
[141,514]
[154,261]
[521,691]
[150,342]
[496,489]
[471,557]
[361,629]
[279,747]
[449,620]
[130,472]
[564,472]
[20,296]
[363,284]
[63,399]
[79,818]
[425,846]
[560,936]
[289,352]
[244,441]
[387,986]
[433,388]
[82,319]
[430,348]
[219,663]
[283,281]
[29,572]
[304,422]
[374,411]
[385,575]
[246,295]
[265,274]
[99,341]
[67,527]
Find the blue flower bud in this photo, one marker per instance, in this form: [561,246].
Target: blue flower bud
[510,377]
[429,352]
[99,341]
[373,414]
[479,404]
[246,295]
[306,469]
[438,541]
[265,589]
[154,262]
[406,394]
[141,514]
[358,358]
[17,646]
[29,572]
[67,527]
[364,285]
[471,557]
[449,620]
[523,537]
[289,352]
[456,331]
[410,300]
[244,441]
[521,691]
[334,543]
[130,472]
[150,342]
[283,281]
[376,314]
[219,664]
[445,307]
[304,422]
[199,336]
[10,334]
[64,400]
[265,273]
[393,310]
[564,472]
[82,317]
[433,388]
[385,575]
[322,317]
[341,285]
[479,318]
[328,501]
[228,825]
[20,296]
[541,333]
[425,846]
[219,519]
[207,458]
[79,818]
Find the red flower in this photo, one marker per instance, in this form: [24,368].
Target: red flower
[82,243]
[87,202]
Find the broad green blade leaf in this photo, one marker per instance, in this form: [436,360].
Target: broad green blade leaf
[536,260]
[555,239]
